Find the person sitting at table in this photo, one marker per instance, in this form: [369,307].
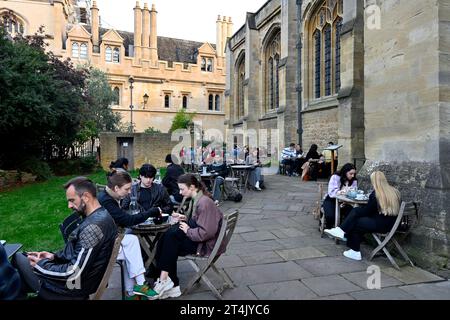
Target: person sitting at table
[117,188]
[76,271]
[299,159]
[174,171]
[121,163]
[288,156]
[311,166]
[149,194]
[339,181]
[10,283]
[196,233]
[255,176]
[378,215]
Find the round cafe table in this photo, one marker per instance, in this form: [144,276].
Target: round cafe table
[148,235]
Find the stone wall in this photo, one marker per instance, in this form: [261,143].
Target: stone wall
[13,177]
[320,127]
[147,148]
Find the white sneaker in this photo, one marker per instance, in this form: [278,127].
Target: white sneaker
[336,233]
[175,292]
[162,286]
[352,254]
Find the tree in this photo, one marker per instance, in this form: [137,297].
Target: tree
[182,120]
[97,114]
[40,100]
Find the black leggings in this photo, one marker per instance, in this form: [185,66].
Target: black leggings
[173,243]
[359,223]
[329,207]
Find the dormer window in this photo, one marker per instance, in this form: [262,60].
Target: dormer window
[207,64]
[112,54]
[79,50]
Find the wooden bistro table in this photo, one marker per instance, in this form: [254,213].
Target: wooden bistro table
[148,235]
[344,199]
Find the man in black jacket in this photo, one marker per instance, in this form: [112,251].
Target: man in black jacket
[76,271]
[149,194]
[170,180]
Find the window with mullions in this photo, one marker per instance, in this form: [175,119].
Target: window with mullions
[273,49]
[324,61]
[338,56]
[75,50]
[317,64]
[108,54]
[327,33]
[116,55]
[83,51]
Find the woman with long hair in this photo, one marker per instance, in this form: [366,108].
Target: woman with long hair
[195,233]
[118,187]
[378,215]
[339,182]
[310,167]
[121,163]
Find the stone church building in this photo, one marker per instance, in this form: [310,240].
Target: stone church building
[169,74]
[373,76]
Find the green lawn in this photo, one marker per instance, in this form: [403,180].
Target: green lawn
[31,214]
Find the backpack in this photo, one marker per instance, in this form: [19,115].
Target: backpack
[232,192]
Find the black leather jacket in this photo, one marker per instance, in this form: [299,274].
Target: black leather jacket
[77,270]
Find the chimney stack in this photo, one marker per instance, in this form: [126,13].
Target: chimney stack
[95,24]
[153,36]
[137,32]
[146,33]
[219,38]
[224,35]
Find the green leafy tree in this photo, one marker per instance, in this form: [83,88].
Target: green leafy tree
[97,115]
[182,120]
[40,101]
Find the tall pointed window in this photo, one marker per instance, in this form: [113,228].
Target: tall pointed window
[185,101]
[210,102]
[272,86]
[240,79]
[325,59]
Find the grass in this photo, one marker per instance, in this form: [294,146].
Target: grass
[32,213]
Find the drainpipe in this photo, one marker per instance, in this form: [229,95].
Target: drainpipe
[299,71]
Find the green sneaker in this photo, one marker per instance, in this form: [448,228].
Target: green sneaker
[133,297]
[145,290]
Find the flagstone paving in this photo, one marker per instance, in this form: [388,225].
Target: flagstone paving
[276,253]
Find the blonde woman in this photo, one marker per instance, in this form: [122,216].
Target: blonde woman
[378,215]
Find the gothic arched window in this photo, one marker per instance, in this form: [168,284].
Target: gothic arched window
[116,96]
[116,55]
[83,51]
[272,53]
[240,78]
[108,54]
[13,25]
[75,50]
[324,39]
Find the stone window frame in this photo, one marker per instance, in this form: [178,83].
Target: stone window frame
[327,15]
[239,87]
[117,95]
[15,25]
[112,54]
[77,52]
[271,69]
[184,101]
[206,64]
[214,100]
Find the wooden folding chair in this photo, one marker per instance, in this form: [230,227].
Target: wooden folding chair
[318,213]
[112,260]
[226,231]
[407,210]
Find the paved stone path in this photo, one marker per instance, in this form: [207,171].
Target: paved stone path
[276,253]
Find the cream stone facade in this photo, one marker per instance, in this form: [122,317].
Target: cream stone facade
[370,75]
[173,73]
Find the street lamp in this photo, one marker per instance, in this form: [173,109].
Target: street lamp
[145,99]
[131,81]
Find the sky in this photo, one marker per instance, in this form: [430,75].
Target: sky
[189,20]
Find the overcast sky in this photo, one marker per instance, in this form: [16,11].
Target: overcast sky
[189,20]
